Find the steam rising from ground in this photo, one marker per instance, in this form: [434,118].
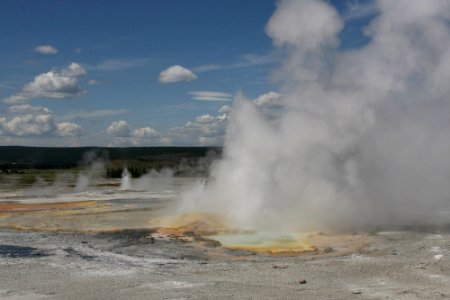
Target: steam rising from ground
[364,135]
[154,180]
[42,188]
[95,168]
[125,183]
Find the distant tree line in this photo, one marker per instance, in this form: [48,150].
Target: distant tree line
[138,160]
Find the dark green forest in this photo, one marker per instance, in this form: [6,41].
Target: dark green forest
[138,160]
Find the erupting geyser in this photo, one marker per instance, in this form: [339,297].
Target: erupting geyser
[125,183]
[362,137]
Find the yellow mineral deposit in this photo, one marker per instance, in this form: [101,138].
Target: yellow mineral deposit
[27,207]
[294,242]
[202,228]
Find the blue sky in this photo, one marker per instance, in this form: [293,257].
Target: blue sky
[90,72]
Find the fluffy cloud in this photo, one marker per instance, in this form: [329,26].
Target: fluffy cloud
[68,129]
[53,84]
[205,130]
[46,49]
[29,125]
[270,99]
[144,132]
[26,120]
[125,135]
[210,96]
[119,129]
[205,119]
[176,73]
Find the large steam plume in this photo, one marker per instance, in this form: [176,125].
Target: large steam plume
[364,135]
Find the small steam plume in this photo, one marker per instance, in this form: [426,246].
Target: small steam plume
[363,138]
[95,168]
[154,180]
[164,180]
[125,183]
[42,188]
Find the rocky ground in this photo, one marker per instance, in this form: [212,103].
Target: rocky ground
[140,264]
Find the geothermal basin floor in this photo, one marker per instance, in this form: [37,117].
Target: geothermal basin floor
[131,265]
[104,243]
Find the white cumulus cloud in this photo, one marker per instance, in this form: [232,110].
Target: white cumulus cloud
[176,73]
[119,128]
[29,125]
[25,120]
[125,135]
[69,129]
[270,99]
[46,49]
[205,130]
[53,84]
[144,132]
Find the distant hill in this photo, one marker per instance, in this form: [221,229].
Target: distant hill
[19,157]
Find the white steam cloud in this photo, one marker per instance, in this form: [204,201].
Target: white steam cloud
[363,135]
